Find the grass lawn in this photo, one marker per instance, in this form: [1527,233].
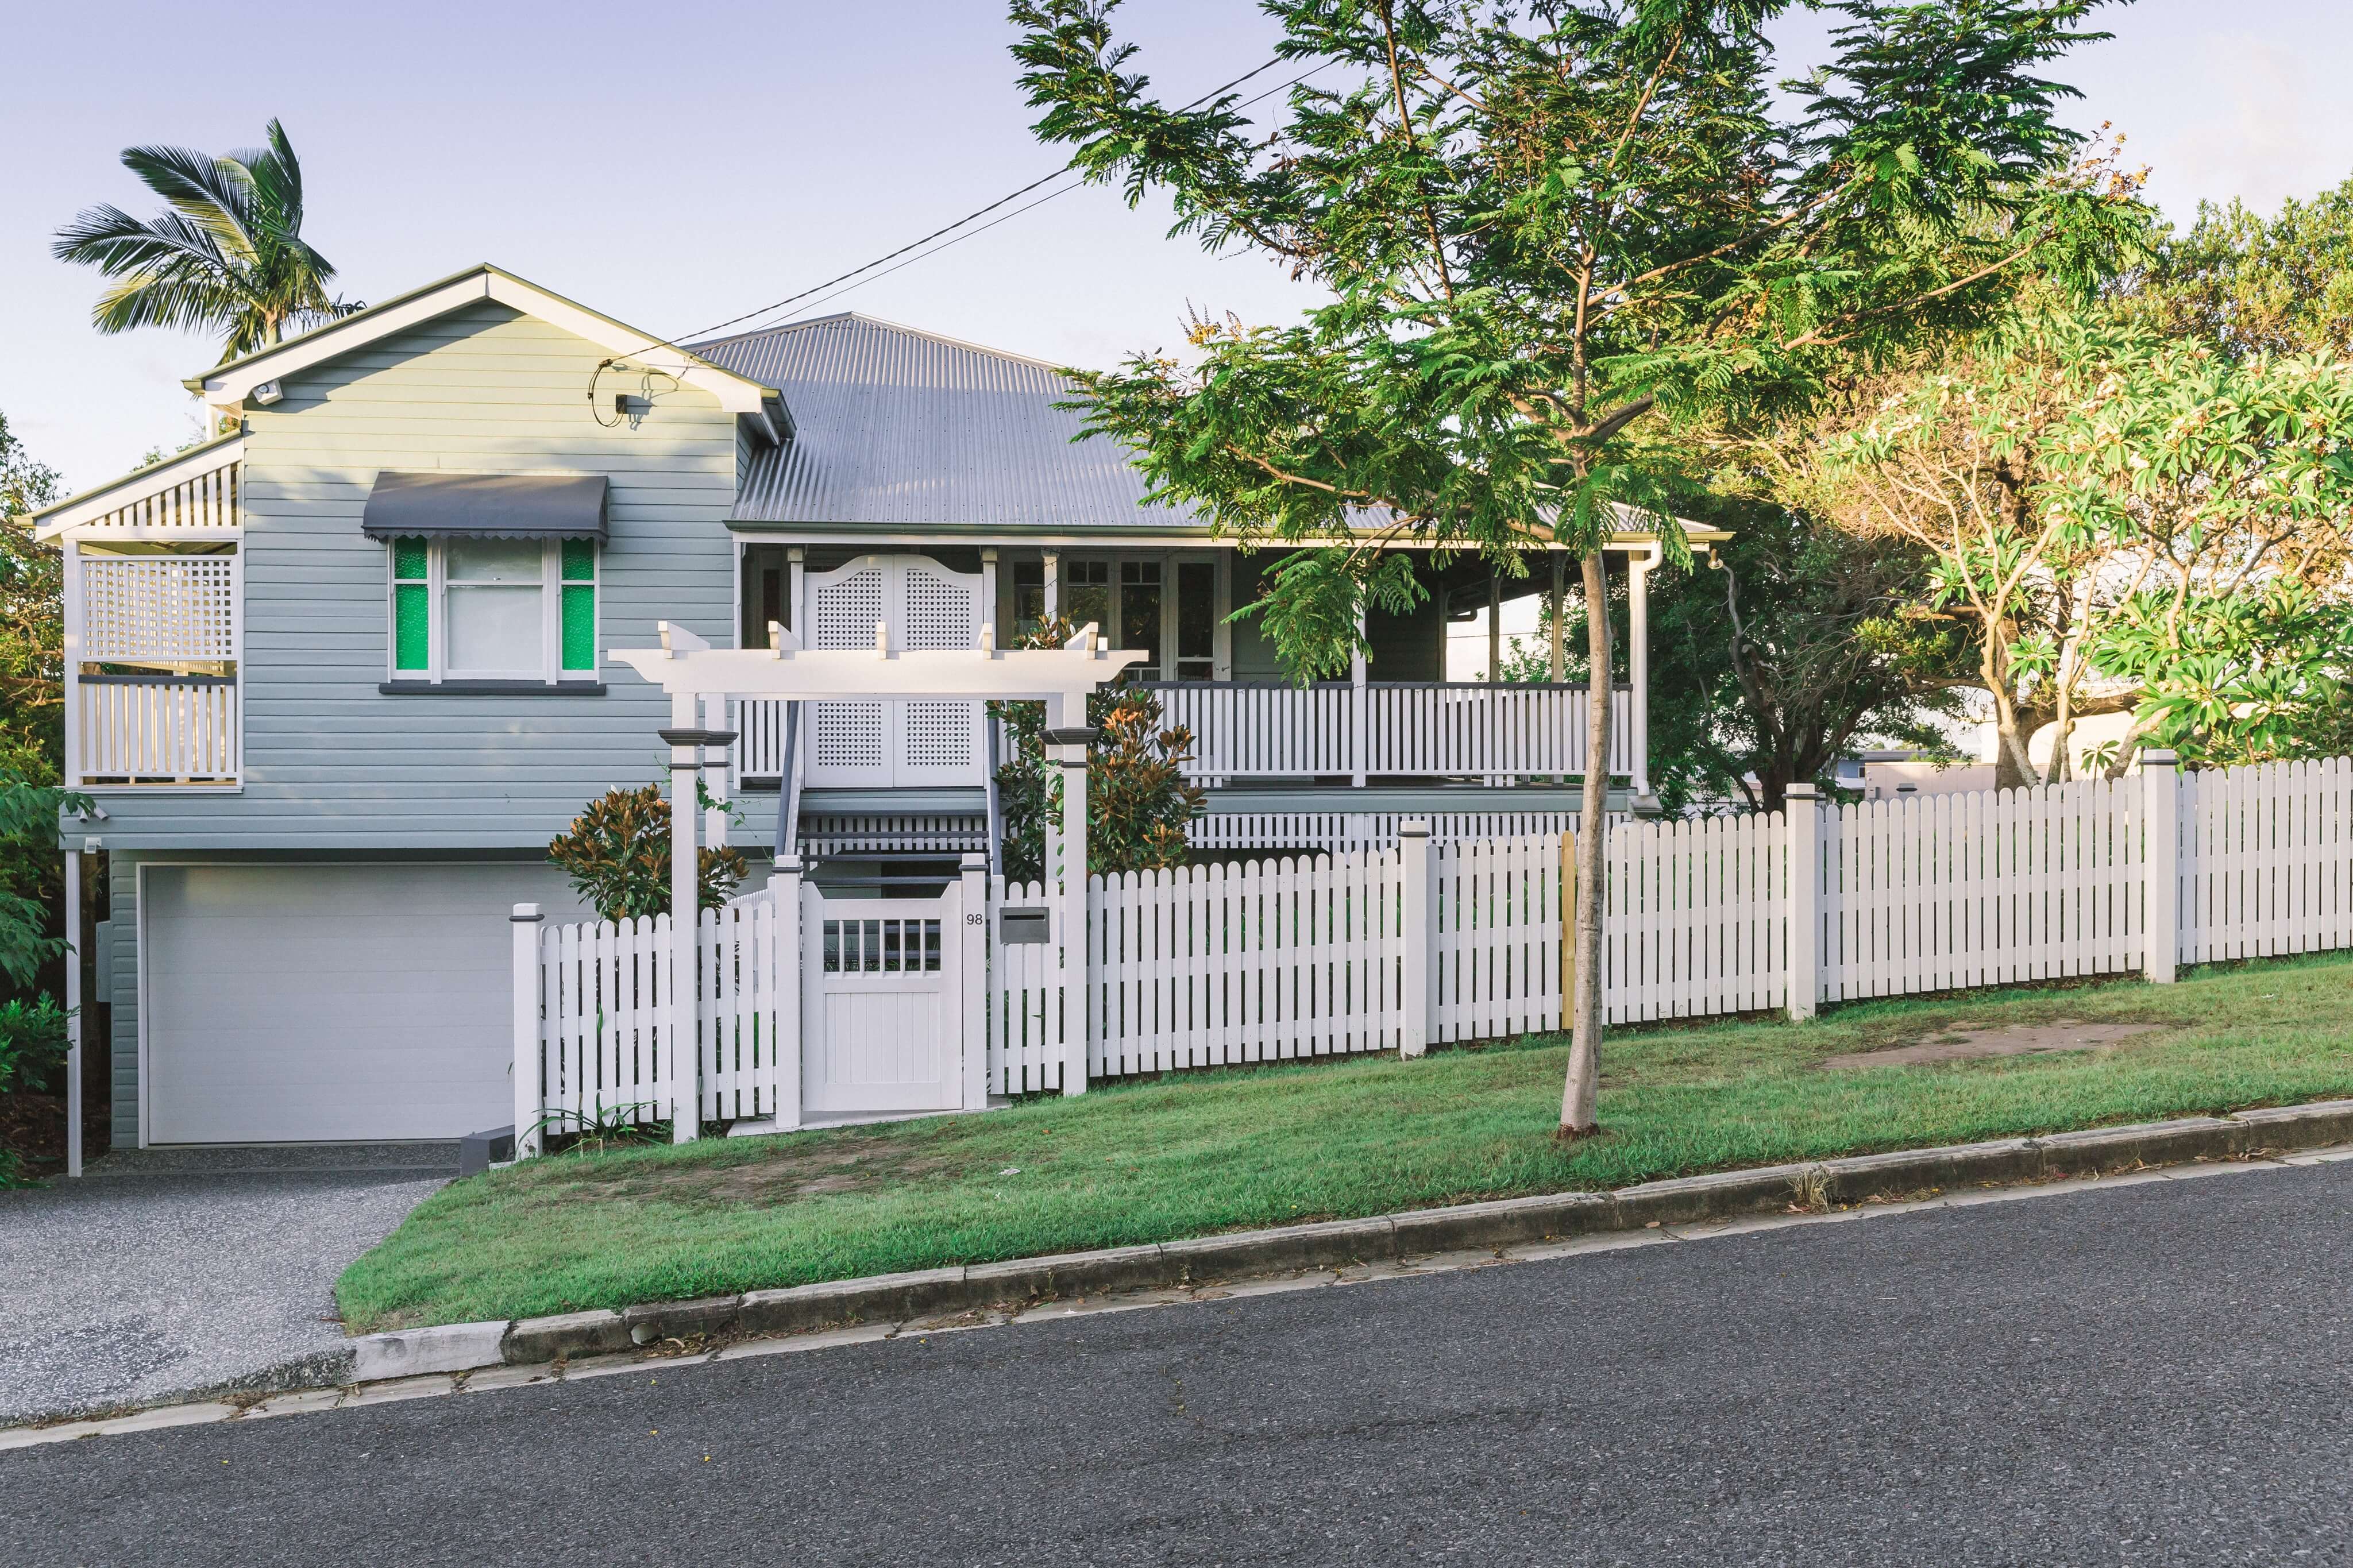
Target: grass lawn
[1158,1160]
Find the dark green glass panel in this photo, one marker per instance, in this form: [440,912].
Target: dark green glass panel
[579,627]
[410,625]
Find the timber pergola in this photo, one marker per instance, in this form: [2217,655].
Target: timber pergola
[690,670]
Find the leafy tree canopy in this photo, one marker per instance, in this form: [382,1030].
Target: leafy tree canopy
[1541,223]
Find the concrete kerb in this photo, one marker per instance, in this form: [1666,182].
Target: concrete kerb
[1339,1244]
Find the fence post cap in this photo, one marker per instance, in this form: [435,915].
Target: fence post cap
[525,913]
[789,863]
[1802,792]
[973,860]
[1073,735]
[2158,759]
[1414,827]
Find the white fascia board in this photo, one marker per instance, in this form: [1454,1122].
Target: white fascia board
[736,394]
[113,496]
[229,387]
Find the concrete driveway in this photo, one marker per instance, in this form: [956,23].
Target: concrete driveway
[169,1271]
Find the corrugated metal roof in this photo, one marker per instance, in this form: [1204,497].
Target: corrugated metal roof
[898,426]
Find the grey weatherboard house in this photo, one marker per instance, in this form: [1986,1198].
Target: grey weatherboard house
[337,676]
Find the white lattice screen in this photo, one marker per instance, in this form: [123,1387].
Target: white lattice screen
[843,610]
[940,610]
[879,744]
[159,607]
[846,735]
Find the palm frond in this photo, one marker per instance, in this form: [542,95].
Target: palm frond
[215,193]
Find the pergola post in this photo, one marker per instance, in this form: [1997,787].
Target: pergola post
[1067,745]
[689,669]
[685,918]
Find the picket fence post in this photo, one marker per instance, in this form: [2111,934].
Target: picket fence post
[1804,810]
[1415,936]
[972,920]
[524,924]
[2161,866]
[785,889]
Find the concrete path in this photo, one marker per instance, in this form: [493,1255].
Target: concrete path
[2151,1373]
[163,1271]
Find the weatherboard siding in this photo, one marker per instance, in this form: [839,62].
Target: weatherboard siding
[332,762]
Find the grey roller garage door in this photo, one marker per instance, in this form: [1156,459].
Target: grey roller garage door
[330,1002]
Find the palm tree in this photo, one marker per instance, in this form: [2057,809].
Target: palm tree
[228,256]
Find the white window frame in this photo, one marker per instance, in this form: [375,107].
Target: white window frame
[436,672]
[1221,602]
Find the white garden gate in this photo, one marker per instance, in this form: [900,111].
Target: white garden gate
[883,998]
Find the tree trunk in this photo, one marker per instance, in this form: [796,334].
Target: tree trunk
[1579,1092]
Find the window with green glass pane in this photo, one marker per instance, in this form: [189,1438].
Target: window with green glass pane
[579,604]
[412,613]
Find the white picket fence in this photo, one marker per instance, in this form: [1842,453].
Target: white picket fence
[1421,942]
[2266,860]
[605,1033]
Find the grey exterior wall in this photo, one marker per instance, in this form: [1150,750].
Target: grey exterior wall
[330,761]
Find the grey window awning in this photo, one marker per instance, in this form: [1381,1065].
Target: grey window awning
[498,506]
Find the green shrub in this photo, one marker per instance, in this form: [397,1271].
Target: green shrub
[617,855]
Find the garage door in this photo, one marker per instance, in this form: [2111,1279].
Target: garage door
[320,1003]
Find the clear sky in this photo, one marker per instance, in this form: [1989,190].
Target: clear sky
[676,163]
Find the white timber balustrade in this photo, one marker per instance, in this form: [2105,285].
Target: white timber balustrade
[1392,729]
[155,625]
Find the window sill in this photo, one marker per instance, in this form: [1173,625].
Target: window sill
[492,688]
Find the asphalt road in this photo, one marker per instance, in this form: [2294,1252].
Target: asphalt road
[2156,1375]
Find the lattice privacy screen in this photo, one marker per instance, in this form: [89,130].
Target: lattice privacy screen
[846,735]
[159,607]
[873,743]
[940,611]
[843,610]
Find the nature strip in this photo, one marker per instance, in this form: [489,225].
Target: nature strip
[1336,1243]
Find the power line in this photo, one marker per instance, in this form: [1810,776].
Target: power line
[1016,212]
[941,232]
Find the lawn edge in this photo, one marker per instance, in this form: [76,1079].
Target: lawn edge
[1334,1243]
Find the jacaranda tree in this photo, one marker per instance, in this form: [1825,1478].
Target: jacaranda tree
[1551,235]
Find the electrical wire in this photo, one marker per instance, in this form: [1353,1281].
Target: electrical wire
[702,333]
[1016,212]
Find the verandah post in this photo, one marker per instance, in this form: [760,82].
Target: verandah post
[1803,807]
[524,923]
[2162,866]
[1413,1000]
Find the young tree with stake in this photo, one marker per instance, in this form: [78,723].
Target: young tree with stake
[1550,234]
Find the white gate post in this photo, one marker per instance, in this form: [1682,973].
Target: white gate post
[685,922]
[1804,810]
[785,892]
[74,956]
[972,920]
[1413,851]
[1068,745]
[2161,866]
[529,1097]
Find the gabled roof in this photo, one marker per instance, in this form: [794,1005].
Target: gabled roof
[226,385]
[101,501]
[897,427]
